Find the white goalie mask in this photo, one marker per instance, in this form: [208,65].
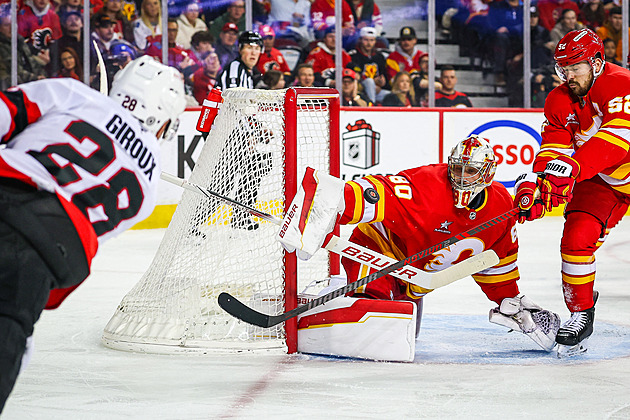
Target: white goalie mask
[471,168]
[152,92]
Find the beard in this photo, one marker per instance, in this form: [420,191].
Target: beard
[581,89]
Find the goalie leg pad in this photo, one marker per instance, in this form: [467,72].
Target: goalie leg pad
[521,314]
[371,329]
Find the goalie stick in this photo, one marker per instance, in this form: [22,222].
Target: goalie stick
[439,279]
[366,256]
[243,312]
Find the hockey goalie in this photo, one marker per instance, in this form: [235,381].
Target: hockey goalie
[398,216]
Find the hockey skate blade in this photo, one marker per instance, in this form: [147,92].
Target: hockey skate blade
[565,350]
[468,267]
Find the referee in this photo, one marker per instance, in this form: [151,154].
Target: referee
[243,157]
[242,71]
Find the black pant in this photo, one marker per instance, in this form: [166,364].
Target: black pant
[39,251]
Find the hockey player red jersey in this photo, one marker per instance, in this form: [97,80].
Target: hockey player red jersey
[597,127]
[103,167]
[273,60]
[415,222]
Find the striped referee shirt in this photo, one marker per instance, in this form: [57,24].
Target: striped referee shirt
[235,74]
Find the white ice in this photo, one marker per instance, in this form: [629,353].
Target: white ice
[465,368]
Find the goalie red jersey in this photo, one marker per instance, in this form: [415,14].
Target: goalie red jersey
[598,129]
[415,210]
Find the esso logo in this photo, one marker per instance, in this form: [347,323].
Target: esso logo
[513,154]
[515,145]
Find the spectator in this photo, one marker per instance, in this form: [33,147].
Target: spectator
[122,25]
[205,78]
[610,49]
[402,94]
[273,80]
[149,24]
[103,34]
[350,94]
[592,14]
[305,75]
[292,18]
[370,64]
[29,67]
[38,24]
[421,82]
[235,14]
[271,58]
[178,57]
[70,64]
[542,46]
[67,6]
[323,17]
[568,22]
[121,53]
[322,59]
[469,26]
[201,44]
[226,48]
[551,11]
[365,13]
[407,55]
[72,27]
[448,96]
[189,24]
[612,29]
[506,21]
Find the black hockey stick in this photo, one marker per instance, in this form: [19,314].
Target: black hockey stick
[246,314]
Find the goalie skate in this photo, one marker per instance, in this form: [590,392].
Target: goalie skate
[521,314]
[573,336]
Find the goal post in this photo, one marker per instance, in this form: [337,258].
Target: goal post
[256,154]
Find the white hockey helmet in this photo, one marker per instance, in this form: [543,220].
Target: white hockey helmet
[152,92]
[471,167]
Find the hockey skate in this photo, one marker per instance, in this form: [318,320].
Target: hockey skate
[521,314]
[573,336]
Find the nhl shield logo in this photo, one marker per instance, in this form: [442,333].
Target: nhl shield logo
[361,145]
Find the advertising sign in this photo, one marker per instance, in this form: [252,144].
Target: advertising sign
[386,142]
[515,138]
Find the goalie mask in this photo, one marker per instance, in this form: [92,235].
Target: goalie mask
[152,92]
[471,167]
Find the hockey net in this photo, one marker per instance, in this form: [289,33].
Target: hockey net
[256,154]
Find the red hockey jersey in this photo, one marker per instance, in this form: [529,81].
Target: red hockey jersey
[597,128]
[416,211]
[273,60]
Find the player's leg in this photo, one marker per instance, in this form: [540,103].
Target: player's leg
[256,166]
[594,210]
[25,282]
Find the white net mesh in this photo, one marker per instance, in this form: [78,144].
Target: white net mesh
[211,247]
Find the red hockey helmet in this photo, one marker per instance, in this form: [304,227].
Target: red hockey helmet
[578,46]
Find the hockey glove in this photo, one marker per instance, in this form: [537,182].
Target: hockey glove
[313,213]
[559,179]
[530,208]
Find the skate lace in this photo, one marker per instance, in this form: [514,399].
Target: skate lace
[576,323]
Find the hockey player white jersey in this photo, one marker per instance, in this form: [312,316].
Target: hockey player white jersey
[67,138]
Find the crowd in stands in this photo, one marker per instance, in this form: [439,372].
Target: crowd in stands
[202,39]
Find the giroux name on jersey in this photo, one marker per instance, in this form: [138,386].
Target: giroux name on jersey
[132,144]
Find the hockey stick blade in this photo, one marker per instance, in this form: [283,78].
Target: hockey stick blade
[465,268]
[246,314]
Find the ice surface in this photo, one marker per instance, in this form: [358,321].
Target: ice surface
[465,367]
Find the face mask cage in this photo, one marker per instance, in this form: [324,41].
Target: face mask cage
[468,179]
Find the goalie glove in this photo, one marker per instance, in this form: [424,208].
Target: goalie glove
[559,179]
[530,208]
[313,213]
